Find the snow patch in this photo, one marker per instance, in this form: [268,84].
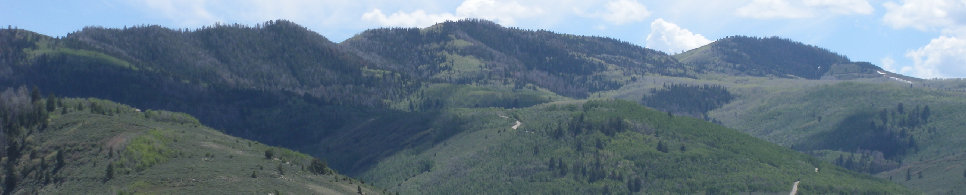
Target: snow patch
[893,78]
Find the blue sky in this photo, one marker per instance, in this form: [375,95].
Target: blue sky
[922,38]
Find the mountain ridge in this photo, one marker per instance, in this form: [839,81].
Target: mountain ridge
[401,88]
[773,56]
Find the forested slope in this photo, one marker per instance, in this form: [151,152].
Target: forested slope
[606,147]
[91,146]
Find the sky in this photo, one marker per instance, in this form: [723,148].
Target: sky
[921,38]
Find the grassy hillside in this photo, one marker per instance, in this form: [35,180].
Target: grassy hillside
[91,146]
[864,120]
[605,146]
[855,124]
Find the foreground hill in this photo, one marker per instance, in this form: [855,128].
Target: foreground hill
[603,147]
[880,126]
[91,146]
[895,130]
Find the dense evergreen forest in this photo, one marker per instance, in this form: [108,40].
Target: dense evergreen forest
[685,99]
[881,138]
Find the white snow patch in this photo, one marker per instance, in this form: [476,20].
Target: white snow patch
[894,78]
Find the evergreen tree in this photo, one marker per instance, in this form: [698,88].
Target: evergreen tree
[35,94]
[269,154]
[908,174]
[109,172]
[319,167]
[662,147]
[280,170]
[925,114]
[61,162]
[51,103]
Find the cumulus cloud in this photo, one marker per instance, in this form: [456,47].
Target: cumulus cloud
[670,37]
[925,15]
[418,18]
[505,13]
[501,12]
[764,9]
[794,9]
[889,64]
[841,6]
[943,57]
[625,11]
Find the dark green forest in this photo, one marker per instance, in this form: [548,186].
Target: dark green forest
[685,99]
[882,138]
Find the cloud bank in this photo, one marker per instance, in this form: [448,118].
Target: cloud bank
[797,9]
[944,56]
[671,38]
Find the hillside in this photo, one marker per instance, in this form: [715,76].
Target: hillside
[602,147]
[204,73]
[878,126]
[92,146]
[752,56]
[483,52]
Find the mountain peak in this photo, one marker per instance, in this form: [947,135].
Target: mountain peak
[772,56]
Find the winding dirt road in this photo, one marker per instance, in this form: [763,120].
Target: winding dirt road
[794,188]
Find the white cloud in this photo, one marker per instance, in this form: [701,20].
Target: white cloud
[889,64]
[943,57]
[505,13]
[625,11]
[794,9]
[841,6]
[925,14]
[501,12]
[418,18]
[670,37]
[765,9]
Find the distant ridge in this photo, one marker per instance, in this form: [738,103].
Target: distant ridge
[773,56]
